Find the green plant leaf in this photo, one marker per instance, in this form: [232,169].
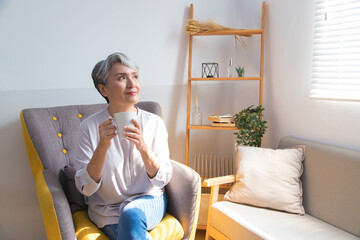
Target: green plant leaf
[251,126]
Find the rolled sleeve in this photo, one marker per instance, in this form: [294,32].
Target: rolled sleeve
[85,184]
[163,175]
[162,154]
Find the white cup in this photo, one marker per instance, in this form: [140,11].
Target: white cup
[123,119]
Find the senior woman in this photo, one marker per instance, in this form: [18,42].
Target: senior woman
[123,179]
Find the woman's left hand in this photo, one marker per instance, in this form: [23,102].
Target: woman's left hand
[135,135]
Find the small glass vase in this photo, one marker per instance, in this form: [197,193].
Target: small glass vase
[197,117]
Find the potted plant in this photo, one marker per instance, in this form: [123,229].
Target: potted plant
[251,126]
[240,71]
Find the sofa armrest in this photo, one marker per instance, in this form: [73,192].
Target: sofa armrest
[54,206]
[214,183]
[184,192]
[219,180]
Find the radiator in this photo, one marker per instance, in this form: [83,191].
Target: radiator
[209,166]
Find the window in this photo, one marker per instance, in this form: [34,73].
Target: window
[336,50]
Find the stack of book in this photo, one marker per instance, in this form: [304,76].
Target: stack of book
[222,121]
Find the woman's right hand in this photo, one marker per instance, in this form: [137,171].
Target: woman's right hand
[107,131]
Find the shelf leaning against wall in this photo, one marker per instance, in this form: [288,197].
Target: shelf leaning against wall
[216,30]
[231,32]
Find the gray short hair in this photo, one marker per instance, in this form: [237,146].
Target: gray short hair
[101,70]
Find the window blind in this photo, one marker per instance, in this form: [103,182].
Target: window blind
[336,50]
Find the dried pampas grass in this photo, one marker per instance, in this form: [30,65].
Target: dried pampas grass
[194,26]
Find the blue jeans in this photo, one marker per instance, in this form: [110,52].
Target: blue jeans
[137,218]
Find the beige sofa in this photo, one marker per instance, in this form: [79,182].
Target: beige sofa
[331,198]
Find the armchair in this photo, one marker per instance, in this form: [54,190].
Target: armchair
[50,134]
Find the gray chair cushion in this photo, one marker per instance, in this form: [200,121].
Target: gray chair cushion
[182,190]
[149,106]
[43,131]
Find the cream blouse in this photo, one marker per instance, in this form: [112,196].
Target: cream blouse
[124,176]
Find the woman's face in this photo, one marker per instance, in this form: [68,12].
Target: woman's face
[123,85]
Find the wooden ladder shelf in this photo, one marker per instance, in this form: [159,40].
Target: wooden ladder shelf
[239,32]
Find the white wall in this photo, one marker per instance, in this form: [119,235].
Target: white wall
[48,51]
[289,110]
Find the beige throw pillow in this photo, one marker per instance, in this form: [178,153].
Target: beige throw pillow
[269,178]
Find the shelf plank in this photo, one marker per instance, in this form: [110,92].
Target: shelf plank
[226,79]
[211,127]
[240,32]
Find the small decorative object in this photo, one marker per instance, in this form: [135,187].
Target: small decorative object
[240,71]
[197,115]
[222,121]
[251,127]
[210,70]
[194,26]
[230,68]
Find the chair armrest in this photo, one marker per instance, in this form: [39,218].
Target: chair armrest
[184,192]
[219,180]
[54,206]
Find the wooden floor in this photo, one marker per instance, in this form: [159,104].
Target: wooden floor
[200,235]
